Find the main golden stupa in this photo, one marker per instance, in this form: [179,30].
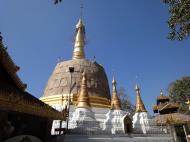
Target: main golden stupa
[64,83]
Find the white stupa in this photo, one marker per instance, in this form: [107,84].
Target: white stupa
[83,120]
[141,117]
[114,123]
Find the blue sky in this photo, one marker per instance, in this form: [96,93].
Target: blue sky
[128,37]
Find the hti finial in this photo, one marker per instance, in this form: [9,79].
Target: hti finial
[114,81]
[137,88]
[161,92]
[81,9]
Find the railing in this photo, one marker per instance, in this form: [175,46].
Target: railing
[100,128]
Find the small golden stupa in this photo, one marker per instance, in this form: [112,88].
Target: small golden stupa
[83,98]
[115,102]
[139,103]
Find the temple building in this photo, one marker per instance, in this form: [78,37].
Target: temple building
[164,105]
[21,114]
[168,115]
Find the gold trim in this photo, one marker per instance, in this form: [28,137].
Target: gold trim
[95,101]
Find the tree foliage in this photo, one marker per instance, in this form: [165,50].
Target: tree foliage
[180,92]
[179,20]
[57,1]
[126,103]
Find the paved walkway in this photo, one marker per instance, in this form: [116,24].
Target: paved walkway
[78,138]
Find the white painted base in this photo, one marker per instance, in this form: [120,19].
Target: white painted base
[114,123]
[84,122]
[141,122]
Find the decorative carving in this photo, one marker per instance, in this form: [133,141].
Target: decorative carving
[15,101]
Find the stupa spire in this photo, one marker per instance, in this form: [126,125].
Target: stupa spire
[83,98]
[115,102]
[139,103]
[79,41]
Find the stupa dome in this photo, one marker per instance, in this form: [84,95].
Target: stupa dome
[60,80]
[58,87]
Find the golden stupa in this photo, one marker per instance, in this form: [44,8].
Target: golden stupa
[59,86]
[115,102]
[83,98]
[139,103]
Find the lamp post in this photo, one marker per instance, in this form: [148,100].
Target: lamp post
[71,70]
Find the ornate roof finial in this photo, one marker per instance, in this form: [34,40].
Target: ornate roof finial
[79,41]
[83,98]
[161,93]
[115,102]
[139,103]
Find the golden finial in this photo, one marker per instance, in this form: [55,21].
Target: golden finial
[115,102]
[79,41]
[83,98]
[139,103]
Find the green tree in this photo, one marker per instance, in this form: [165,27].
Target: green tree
[180,92]
[179,20]
[126,103]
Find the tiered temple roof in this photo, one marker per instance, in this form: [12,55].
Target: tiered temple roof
[13,96]
[164,105]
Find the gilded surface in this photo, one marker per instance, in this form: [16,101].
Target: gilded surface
[79,44]
[83,99]
[139,103]
[115,102]
[60,80]
[95,101]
